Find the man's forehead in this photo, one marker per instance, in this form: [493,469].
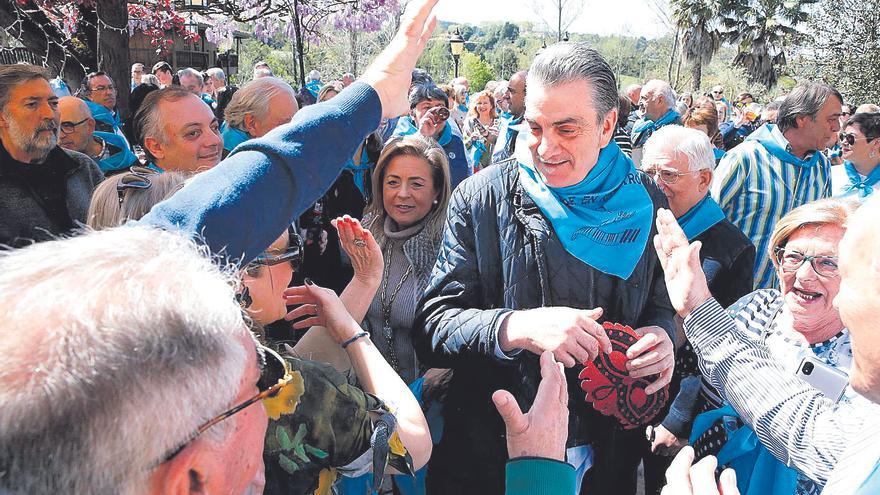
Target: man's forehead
[664,159]
[33,88]
[195,112]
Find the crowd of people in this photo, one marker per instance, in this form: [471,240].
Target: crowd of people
[359,286]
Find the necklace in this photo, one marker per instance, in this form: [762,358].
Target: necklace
[387,302]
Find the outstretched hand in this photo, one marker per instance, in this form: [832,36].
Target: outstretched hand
[543,431]
[390,74]
[321,307]
[686,478]
[363,250]
[685,280]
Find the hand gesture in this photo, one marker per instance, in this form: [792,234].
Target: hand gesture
[685,280]
[652,354]
[683,478]
[390,74]
[322,308]
[664,442]
[572,335]
[542,431]
[360,246]
[431,122]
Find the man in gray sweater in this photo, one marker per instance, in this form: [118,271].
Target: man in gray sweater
[44,190]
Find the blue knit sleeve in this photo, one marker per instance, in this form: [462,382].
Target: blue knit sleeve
[243,204]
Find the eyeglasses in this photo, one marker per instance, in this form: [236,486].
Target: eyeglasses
[293,255]
[102,88]
[850,138]
[136,178]
[68,127]
[275,374]
[717,92]
[790,261]
[667,176]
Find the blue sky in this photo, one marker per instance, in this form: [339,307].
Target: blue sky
[604,17]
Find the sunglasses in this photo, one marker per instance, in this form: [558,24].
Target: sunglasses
[850,138]
[136,178]
[293,254]
[790,261]
[275,374]
[668,177]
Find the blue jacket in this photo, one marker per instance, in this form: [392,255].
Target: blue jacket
[228,207]
[459,167]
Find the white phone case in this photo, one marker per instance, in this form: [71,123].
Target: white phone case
[830,381]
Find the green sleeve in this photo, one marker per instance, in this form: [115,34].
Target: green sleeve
[538,476]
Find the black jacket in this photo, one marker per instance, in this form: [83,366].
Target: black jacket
[24,215]
[500,254]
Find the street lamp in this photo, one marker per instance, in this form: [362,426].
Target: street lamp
[192,5]
[566,37]
[456,44]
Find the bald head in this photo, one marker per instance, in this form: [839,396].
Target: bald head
[77,125]
[633,91]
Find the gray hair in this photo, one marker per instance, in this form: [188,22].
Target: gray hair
[150,79]
[314,75]
[805,99]
[98,394]
[262,72]
[217,73]
[573,61]
[15,74]
[254,98]
[500,89]
[681,142]
[190,72]
[661,87]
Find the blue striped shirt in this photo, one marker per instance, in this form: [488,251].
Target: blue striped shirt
[755,189]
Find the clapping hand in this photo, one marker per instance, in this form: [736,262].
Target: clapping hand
[543,431]
[360,246]
[685,280]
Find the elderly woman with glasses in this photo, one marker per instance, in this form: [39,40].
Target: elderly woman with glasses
[860,150]
[797,321]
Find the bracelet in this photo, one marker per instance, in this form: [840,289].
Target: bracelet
[351,340]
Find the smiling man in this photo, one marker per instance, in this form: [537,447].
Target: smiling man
[537,251]
[778,168]
[178,131]
[44,190]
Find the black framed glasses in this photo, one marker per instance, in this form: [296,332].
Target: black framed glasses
[850,138]
[275,374]
[667,176]
[68,127]
[136,178]
[790,261]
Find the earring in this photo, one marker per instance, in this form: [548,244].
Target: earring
[436,201]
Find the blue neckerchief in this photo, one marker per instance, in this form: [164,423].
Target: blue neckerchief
[101,113]
[700,218]
[507,132]
[865,187]
[505,115]
[719,154]
[463,108]
[645,127]
[757,471]
[208,100]
[314,87]
[406,126]
[774,142]
[122,159]
[478,149]
[871,485]
[358,170]
[153,166]
[232,136]
[605,219]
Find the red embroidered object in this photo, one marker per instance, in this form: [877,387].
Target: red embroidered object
[612,391]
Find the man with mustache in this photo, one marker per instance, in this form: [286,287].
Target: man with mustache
[44,189]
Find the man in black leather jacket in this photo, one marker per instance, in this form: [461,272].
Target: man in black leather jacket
[508,286]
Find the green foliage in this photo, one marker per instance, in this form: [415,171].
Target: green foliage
[476,71]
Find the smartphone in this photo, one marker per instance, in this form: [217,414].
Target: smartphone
[830,381]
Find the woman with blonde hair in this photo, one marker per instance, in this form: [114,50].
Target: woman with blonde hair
[481,130]
[130,196]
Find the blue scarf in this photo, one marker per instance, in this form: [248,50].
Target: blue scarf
[865,187]
[463,108]
[774,142]
[505,115]
[153,166]
[643,129]
[358,170]
[314,87]
[719,154]
[605,219]
[406,126]
[122,159]
[757,471]
[101,113]
[700,218]
[232,136]
[507,132]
